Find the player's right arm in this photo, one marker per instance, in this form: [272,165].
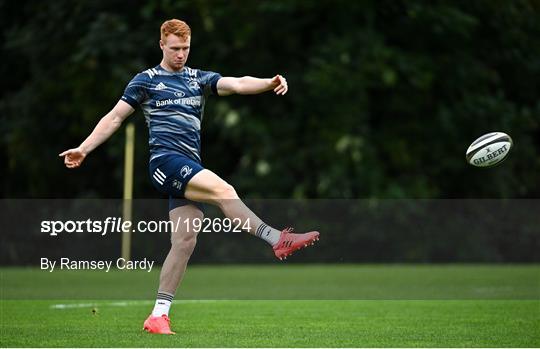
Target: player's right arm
[104,129]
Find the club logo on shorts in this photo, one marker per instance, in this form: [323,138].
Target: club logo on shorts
[177,184]
[185,171]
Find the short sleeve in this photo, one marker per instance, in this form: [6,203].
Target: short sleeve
[209,81]
[135,92]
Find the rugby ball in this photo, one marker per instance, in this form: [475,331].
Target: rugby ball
[489,150]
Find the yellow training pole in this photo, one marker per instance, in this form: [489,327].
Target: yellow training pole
[128,189]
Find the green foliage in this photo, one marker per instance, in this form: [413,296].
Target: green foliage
[384,96]
[384,99]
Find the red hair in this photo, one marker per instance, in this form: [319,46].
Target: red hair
[175,27]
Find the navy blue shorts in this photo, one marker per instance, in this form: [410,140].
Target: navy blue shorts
[170,175]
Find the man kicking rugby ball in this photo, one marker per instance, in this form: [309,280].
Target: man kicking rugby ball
[172,97]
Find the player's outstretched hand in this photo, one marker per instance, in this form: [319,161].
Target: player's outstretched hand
[280,84]
[73,157]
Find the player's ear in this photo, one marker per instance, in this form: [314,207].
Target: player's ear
[161,44]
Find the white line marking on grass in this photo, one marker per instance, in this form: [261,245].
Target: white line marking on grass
[130,303]
[67,306]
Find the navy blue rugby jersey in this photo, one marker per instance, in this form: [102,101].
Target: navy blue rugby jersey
[173,106]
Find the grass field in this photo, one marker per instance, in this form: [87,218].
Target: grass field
[279,306]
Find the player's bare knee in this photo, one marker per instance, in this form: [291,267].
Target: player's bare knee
[225,192]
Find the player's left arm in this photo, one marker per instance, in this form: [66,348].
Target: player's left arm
[248,85]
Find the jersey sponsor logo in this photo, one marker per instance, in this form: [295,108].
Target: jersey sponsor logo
[185,171]
[179,94]
[160,86]
[193,101]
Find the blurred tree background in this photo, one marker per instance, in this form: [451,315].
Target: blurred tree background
[385,97]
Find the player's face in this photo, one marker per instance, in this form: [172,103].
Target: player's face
[175,51]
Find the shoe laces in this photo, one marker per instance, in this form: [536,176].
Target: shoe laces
[288,230]
[287,239]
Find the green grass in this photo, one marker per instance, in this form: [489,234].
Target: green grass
[285,281]
[347,306]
